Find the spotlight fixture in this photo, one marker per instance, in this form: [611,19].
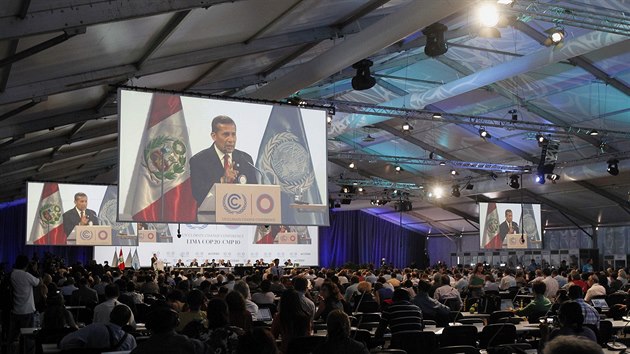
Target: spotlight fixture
[351,165]
[398,169]
[593,132]
[488,15]
[329,119]
[613,167]
[484,134]
[407,128]
[442,163]
[555,35]
[360,189]
[363,80]
[514,114]
[540,178]
[454,173]
[514,182]
[329,114]
[553,177]
[436,45]
[455,191]
[540,138]
[437,115]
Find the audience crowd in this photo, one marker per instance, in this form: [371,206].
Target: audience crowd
[189,311]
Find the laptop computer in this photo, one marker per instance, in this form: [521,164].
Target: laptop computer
[601,303]
[263,314]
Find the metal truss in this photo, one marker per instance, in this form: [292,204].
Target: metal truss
[480,121]
[599,19]
[431,162]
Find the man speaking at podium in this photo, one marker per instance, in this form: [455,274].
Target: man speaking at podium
[79,215]
[221,162]
[508,226]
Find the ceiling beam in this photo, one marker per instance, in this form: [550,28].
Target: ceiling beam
[113,75]
[563,209]
[43,120]
[621,202]
[77,13]
[579,61]
[162,36]
[6,70]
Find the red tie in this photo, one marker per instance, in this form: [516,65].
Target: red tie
[82,213]
[226,164]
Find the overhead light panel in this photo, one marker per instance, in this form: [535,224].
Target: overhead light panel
[363,80]
[436,44]
[484,134]
[613,167]
[454,173]
[514,182]
[398,169]
[437,115]
[351,165]
[593,132]
[442,163]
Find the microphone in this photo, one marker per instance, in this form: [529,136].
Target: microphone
[619,346]
[262,175]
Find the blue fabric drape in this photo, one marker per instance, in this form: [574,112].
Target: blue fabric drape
[13,239]
[358,237]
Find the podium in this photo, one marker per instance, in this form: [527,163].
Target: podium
[228,203]
[516,241]
[95,235]
[147,235]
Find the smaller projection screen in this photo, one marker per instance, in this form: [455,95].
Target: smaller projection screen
[510,226]
[75,214]
[207,161]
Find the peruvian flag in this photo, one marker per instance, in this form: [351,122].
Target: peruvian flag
[160,188]
[491,238]
[121,261]
[48,224]
[263,235]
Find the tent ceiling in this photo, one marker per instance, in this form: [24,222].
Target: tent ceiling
[58,106]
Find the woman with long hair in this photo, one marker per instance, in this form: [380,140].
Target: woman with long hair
[330,298]
[239,316]
[477,281]
[291,320]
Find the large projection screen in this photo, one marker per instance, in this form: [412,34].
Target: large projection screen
[523,232]
[237,243]
[169,160]
[51,217]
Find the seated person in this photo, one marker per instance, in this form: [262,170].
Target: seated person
[571,321]
[194,263]
[338,337]
[573,345]
[539,305]
[195,300]
[447,292]
[180,263]
[431,308]
[108,336]
[401,317]
[162,321]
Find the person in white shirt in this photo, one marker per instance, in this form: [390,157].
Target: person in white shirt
[508,281]
[552,284]
[242,288]
[23,310]
[104,309]
[595,288]
[265,296]
[108,336]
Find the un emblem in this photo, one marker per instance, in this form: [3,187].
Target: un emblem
[86,235]
[289,161]
[234,203]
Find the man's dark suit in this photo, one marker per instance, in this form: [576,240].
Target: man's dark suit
[71,219]
[206,169]
[504,228]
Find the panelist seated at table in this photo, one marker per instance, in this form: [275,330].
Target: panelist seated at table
[180,263]
[207,264]
[194,263]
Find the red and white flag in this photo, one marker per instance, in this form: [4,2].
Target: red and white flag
[121,261]
[160,188]
[263,235]
[491,237]
[48,224]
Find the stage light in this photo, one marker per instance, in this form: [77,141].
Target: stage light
[514,182]
[438,192]
[455,191]
[540,178]
[555,36]
[435,45]
[553,177]
[407,128]
[613,167]
[351,165]
[360,189]
[593,132]
[540,138]
[329,119]
[437,115]
[363,80]
[398,169]
[484,134]
[488,15]
[454,173]
[514,114]
[442,163]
